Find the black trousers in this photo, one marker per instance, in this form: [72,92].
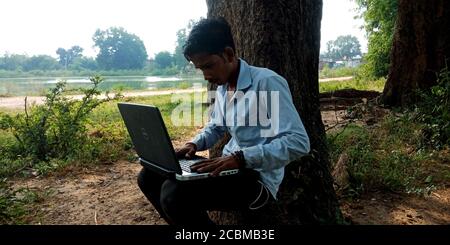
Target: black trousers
[187,202]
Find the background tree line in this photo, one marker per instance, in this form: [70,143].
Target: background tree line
[118,50]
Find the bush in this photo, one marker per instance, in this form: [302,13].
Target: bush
[56,129]
[434,112]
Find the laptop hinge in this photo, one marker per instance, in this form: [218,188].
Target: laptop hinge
[156,168]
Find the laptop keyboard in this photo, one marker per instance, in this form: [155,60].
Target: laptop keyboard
[186,164]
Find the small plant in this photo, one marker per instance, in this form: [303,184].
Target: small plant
[434,111]
[11,207]
[56,129]
[15,204]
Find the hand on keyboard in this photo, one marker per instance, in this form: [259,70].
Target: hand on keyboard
[187,151]
[216,165]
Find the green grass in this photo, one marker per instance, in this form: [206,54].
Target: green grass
[338,72]
[184,85]
[110,140]
[163,102]
[377,85]
[389,156]
[16,205]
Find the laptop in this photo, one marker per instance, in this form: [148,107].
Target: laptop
[153,145]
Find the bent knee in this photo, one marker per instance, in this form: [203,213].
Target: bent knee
[169,194]
[141,178]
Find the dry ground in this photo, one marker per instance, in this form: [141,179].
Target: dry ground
[109,195]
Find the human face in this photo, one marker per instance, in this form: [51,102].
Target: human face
[216,68]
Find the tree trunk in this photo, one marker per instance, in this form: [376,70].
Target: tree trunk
[285,36]
[421,46]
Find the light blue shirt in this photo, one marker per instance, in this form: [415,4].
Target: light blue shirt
[272,134]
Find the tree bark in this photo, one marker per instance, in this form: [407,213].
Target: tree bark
[285,36]
[420,48]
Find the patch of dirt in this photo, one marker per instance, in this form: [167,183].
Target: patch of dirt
[102,195]
[106,194]
[400,209]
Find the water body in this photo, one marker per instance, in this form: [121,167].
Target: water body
[39,85]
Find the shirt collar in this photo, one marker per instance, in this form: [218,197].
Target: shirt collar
[244,79]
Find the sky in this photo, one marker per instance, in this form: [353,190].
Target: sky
[35,27]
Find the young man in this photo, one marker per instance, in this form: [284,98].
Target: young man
[254,105]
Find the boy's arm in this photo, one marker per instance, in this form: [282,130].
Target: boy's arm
[291,141]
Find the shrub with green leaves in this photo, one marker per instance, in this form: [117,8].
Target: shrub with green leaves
[434,111]
[379,22]
[56,129]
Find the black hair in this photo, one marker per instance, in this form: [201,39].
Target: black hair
[210,36]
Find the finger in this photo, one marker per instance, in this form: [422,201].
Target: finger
[217,171]
[180,152]
[190,153]
[222,166]
[205,161]
[200,164]
[208,168]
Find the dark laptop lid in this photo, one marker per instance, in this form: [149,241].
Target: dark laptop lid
[149,135]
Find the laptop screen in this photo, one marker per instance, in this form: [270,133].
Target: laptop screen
[149,135]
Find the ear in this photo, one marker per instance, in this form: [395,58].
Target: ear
[229,54]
